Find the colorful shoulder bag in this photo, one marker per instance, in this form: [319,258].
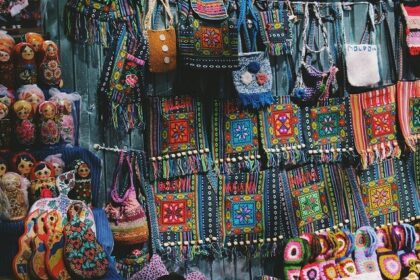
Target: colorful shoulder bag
[126,215]
[295,255]
[345,247]
[311,270]
[162,42]
[388,261]
[365,256]
[208,34]
[362,59]
[313,84]
[403,239]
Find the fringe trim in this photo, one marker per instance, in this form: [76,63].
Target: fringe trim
[241,163]
[186,250]
[180,164]
[379,152]
[269,247]
[276,49]
[129,116]
[412,142]
[256,100]
[333,155]
[285,156]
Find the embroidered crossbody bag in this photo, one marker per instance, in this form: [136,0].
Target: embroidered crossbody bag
[313,84]
[362,59]
[126,215]
[208,34]
[162,42]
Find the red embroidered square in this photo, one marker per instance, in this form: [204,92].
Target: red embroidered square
[380,124]
[175,212]
[179,132]
[211,38]
[283,123]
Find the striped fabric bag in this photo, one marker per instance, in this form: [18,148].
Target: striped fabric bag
[374,125]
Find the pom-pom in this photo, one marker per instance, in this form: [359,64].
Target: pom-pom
[254,67]
[299,92]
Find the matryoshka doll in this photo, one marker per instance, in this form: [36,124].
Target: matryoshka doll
[26,71]
[22,163]
[15,187]
[6,100]
[25,128]
[43,181]
[7,66]
[50,68]
[57,162]
[49,123]
[82,189]
[3,167]
[33,94]
[65,108]
[35,40]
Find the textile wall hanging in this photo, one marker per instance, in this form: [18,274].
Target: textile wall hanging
[374,125]
[408,97]
[234,138]
[412,20]
[186,215]
[327,131]
[208,34]
[177,137]
[122,80]
[388,192]
[281,133]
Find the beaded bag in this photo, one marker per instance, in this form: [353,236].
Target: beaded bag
[374,125]
[208,34]
[178,142]
[235,139]
[281,133]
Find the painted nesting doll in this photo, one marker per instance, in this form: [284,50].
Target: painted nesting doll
[50,68]
[7,67]
[22,163]
[43,181]
[3,167]
[24,126]
[15,187]
[82,189]
[33,94]
[57,162]
[35,40]
[49,123]
[6,101]
[26,70]
[65,108]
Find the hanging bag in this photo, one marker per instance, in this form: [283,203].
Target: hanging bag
[162,42]
[313,84]
[126,215]
[362,59]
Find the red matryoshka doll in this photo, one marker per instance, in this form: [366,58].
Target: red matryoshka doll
[22,163]
[33,94]
[50,68]
[43,181]
[7,66]
[25,128]
[3,167]
[26,70]
[57,162]
[16,189]
[82,189]
[49,123]
[36,41]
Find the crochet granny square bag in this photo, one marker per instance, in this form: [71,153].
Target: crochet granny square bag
[327,131]
[388,192]
[235,138]
[281,133]
[374,125]
[408,97]
[177,137]
[208,34]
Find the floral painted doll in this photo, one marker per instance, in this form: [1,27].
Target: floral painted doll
[57,162]
[36,41]
[33,94]
[50,68]
[3,167]
[5,127]
[7,67]
[82,189]
[43,181]
[26,72]
[49,125]
[15,187]
[22,163]
[25,128]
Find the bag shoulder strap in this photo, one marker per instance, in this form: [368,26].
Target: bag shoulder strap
[152,5]
[114,192]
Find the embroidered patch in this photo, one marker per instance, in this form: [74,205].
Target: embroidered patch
[329,124]
[211,38]
[381,124]
[380,197]
[243,214]
[284,122]
[178,133]
[241,134]
[415,115]
[176,212]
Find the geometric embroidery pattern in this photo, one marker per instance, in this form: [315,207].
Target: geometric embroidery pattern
[380,123]
[211,38]
[415,115]
[243,214]
[380,197]
[283,124]
[241,132]
[328,124]
[178,133]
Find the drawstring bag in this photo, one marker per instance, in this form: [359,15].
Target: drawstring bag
[313,84]
[412,20]
[126,215]
[208,34]
[162,42]
[253,80]
[362,59]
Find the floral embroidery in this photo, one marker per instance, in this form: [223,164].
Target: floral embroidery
[310,204]
[131,80]
[283,124]
[328,124]
[178,133]
[176,212]
[243,214]
[173,212]
[415,115]
[262,78]
[380,197]
[380,124]
[211,38]
[242,132]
